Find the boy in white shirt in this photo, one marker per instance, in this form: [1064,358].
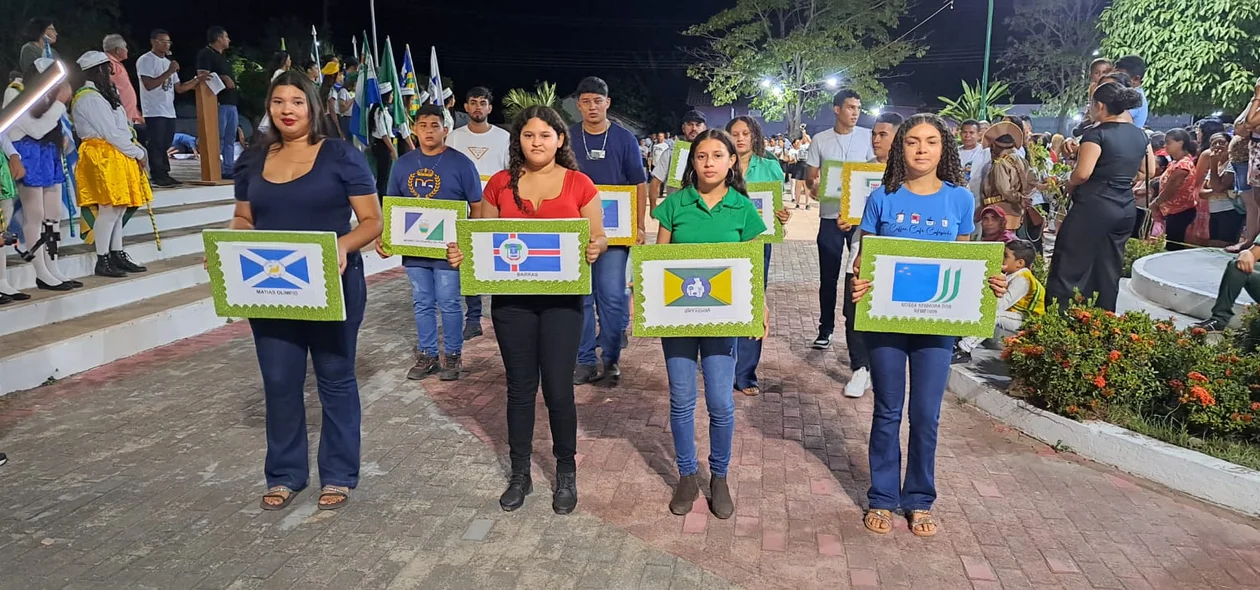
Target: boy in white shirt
[1025,296]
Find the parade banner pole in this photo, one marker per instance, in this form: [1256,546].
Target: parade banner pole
[376,43]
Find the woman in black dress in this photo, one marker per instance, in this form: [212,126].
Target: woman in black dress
[1089,249]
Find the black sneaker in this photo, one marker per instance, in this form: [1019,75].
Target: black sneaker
[961,357]
[3,458]
[451,367]
[124,262]
[823,341]
[105,268]
[519,486]
[167,182]
[564,498]
[471,331]
[612,375]
[1212,325]
[425,366]
[5,299]
[585,374]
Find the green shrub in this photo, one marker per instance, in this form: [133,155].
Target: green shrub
[1135,249]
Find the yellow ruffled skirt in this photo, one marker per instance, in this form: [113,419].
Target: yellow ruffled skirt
[107,177]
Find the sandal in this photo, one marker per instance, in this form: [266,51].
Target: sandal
[922,523]
[751,391]
[878,520]
[340,494]
[285,494]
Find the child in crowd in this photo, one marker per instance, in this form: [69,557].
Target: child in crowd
[993,225]
[1024,297]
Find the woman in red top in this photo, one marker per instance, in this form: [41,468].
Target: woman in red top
[539,334]
[1179,192]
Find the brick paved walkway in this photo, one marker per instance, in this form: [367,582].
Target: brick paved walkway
[146,474]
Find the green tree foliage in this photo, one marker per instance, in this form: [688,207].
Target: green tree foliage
[972,105]
[798,45]
[1202,55]
[1054,43]
[81,25]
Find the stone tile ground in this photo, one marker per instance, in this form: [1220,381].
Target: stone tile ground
[146,474]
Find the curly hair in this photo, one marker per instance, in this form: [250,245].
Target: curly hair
[758,138]
[516,155]
[734,178]
[949,169]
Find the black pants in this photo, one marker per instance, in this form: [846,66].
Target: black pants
[384,162]
[160,132]
[1177,225]
[831,245]
[854,340]
[538,339]
[1089,252]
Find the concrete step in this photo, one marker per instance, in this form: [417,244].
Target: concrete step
[167,217]
[1130,300]
[191,195]
[80,260]
[1185,282]
[30,357]
[101,294]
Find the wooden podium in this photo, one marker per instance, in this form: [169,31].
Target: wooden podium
[208,132]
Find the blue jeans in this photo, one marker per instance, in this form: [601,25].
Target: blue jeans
[436,290]
[717,358]
[473,316]
[608,288]
[748,350]
[229,119]
[282,347]
[929,358]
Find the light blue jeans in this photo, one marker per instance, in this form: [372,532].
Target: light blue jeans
[608,288]
[437,290]
[229,119]
[717,356]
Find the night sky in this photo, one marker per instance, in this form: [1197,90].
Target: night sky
[504,44]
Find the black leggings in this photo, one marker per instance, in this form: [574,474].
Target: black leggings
[538,338]
[1177,225]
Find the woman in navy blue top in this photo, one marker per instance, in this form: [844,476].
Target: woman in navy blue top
[297,179]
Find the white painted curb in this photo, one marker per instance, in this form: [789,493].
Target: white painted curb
[1190,472]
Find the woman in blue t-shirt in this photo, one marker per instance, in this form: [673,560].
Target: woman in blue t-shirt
[922,197]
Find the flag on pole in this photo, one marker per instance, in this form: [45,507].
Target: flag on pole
[354,48]
[389,74]
[435,87]
[408,76]
[366,95]
[315,55]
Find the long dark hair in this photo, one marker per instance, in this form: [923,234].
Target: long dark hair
[34,29]
[949,169]
[1116,97]
[277,60]
[100,76]
[758,138]
[271,137]
[516,155]
[1183,137]
[734,178]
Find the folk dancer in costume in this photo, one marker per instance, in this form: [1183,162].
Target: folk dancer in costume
[111,171]
[39,138]
[1009,179]
[10,171]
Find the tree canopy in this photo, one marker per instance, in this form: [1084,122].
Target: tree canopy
[1202,55]
[783,53]
[1056,40]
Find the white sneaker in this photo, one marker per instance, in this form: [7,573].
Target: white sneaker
[858,384]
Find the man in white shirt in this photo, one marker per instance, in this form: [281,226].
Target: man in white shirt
[487,146]
[973,155]
[845,142]
[693,124]
[159,81]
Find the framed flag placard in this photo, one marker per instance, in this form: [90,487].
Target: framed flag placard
[699,290]
[621,213]
[524,257]
[274,274]
[678,163]
[857,181]
[768,198]
[922,287]
[420,227]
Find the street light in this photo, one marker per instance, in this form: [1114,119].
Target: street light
[765,83]
[1096,52]
[778,90]
[832,82]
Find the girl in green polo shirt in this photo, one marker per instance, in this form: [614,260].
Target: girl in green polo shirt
[712,207]
[750,152]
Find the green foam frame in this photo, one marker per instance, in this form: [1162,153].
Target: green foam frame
[991,253]
[469,285]
[335,311]
[754,251]
[677,161]
[459,207]
[777,188]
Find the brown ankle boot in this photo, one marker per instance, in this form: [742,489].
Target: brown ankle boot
[685,495]
[720,501]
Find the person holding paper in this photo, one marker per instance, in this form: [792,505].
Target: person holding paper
[538,334]
[924,180]
[295,178]
[754,166]
[435,172]
[712,207]
[845,142]
[211,59]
